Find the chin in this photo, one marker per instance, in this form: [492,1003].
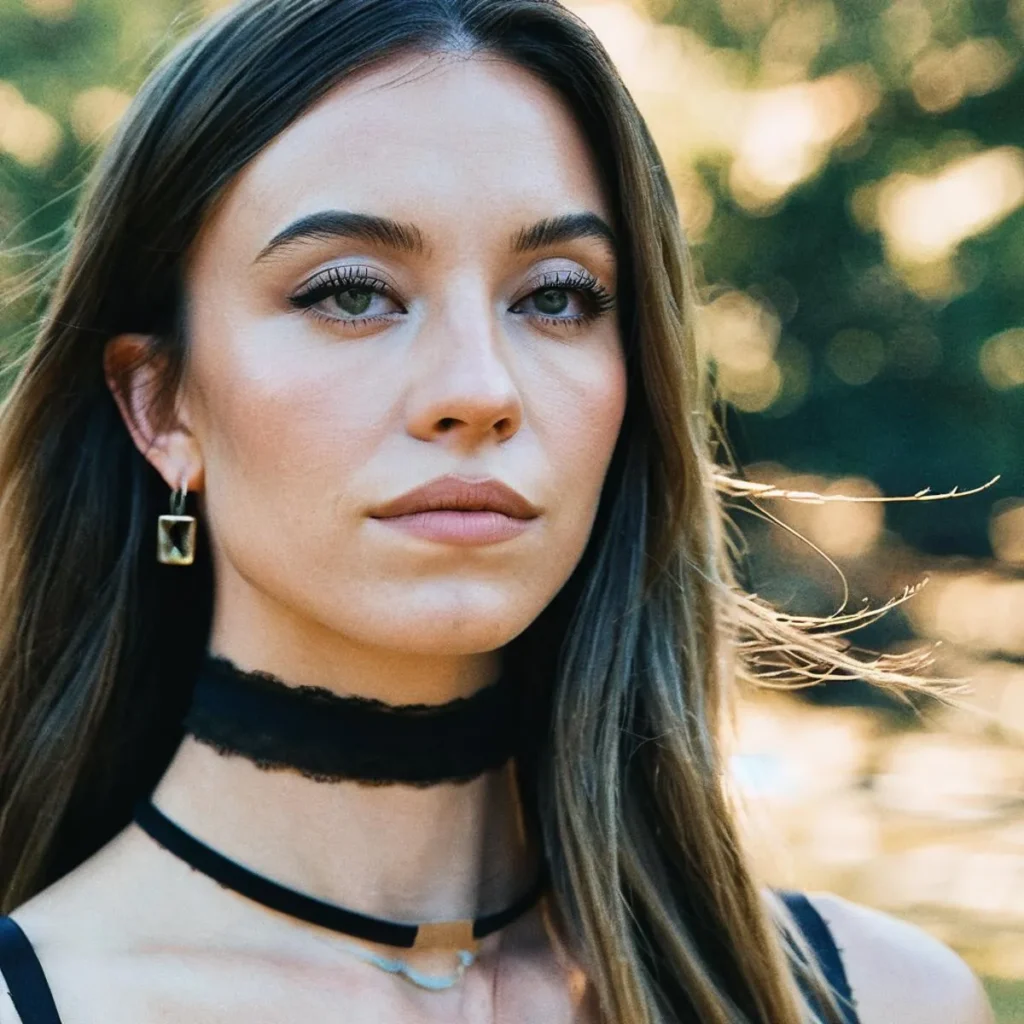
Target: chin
[439,630]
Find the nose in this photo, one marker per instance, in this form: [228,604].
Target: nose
[462,381]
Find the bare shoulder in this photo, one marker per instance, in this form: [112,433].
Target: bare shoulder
[899,973]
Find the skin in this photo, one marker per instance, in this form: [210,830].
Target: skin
[898,973]
[291,427]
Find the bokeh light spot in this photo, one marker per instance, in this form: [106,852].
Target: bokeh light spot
[1001,359]
[855,356]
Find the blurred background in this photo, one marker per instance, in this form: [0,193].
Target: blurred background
[851,175]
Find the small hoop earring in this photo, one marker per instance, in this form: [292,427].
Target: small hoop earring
[176,533]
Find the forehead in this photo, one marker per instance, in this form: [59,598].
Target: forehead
[433,139]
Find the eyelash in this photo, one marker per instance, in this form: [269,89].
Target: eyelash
[338,279]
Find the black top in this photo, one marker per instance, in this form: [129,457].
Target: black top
[819,936]
[32,999]
[24,977]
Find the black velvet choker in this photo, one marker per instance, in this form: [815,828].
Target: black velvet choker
[329,738]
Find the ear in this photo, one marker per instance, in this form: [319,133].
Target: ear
[136,376]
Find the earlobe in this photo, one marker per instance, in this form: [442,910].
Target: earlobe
[135,372]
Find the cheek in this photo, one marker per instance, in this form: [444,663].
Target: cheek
[278,398]
[284,425]
[582,422]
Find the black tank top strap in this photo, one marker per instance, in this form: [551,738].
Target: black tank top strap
[24,978]
[819,936]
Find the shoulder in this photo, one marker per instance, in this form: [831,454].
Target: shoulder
[897,971]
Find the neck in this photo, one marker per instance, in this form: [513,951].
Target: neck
[256,632]
[406,853]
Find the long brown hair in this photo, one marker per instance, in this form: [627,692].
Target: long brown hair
[634,662]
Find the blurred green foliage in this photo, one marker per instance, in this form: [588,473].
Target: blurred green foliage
[1007,999]
[928,416]
[65,67]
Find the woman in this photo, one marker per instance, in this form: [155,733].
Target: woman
[375,332]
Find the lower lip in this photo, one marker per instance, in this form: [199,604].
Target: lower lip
[452,527]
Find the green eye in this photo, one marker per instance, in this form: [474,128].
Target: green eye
[353,301]
[552,300]
[344,295]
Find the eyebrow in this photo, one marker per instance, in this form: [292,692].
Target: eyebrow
[408,238]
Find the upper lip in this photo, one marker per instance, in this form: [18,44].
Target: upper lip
[455,492]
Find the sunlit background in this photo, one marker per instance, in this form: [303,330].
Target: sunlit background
[850,174]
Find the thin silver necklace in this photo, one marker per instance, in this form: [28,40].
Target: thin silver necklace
[432,982]
[392,965]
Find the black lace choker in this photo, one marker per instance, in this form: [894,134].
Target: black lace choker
[329,738]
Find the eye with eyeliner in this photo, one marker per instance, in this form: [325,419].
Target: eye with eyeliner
[336,281]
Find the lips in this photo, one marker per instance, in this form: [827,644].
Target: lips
[456,493]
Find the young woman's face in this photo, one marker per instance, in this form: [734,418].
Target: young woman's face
[332,369]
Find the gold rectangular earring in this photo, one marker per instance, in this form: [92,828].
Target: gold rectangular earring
[176,533]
